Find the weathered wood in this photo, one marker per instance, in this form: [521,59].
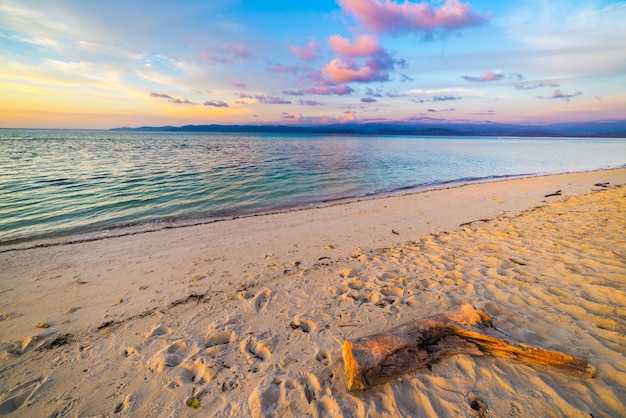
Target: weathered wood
[378,358]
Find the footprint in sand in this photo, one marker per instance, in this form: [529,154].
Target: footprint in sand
[173,356]
[130,352]
[304,325]
[348,273]
[356,284]
[323,356]
[126,405]
[18,348]
[392,291]
[261,300]
[197,372]
[267,397]
[219,338]
[19,395]
[255,350]
[311,386]
[159,330]
[328,407]
[338,290]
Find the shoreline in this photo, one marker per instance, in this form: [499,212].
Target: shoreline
[248,315]
[148,227]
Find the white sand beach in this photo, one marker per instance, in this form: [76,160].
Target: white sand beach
[247,317]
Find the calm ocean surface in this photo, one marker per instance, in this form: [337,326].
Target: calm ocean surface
[57,183]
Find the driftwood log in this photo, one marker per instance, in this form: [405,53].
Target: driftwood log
[378,358]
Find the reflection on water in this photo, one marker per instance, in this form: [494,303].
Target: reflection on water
[60,182]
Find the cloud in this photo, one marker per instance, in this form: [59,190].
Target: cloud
[389,16]
[440,95]
[450,109]
[218,103]
[294,116]
[361,61]
[263,99]
[208,57]
[368,100]
[272,100]
[294,92]
[350,115]
[364,45]
[310,103]
[558,94]
[322,90]
[342,71]
[161,96]
[306,53]
[240,84]
[373,93]
[535,86]
[444,98]
[224,54]
[171,99]
[283,69]
[489,76]
[437,99]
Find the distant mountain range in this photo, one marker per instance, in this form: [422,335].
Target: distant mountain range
[426,127]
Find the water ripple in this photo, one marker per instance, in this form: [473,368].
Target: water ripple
[55,183]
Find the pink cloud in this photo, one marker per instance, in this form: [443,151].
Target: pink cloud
[208,57]
[307,53]
[389,16]
[363,46]
[341,72]
[558,94]
[346,70]
[350,67]
[240,51]
[350,115]
[294,116]
[240,84]
[489,76]
[361,60]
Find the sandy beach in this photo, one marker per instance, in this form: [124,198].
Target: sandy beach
[247,317]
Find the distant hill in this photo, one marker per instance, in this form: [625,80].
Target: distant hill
[597,129]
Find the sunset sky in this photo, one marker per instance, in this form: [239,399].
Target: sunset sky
[105,64]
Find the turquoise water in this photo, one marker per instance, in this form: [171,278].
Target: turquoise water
[56,183]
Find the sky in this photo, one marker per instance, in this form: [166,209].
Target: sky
[114,63]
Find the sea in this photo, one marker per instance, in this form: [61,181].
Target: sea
[60,185]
